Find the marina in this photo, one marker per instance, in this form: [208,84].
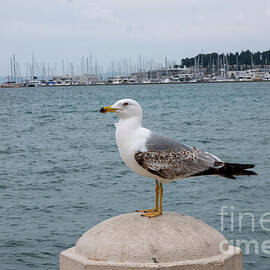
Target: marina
[162,76]
[204,68]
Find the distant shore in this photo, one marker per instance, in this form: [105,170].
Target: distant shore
[19,85]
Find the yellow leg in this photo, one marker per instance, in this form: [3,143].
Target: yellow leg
[156,202]
[159,211]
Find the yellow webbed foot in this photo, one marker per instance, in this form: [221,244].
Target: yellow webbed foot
[148,210]
[153,214]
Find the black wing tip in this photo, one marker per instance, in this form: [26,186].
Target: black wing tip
[229,170]
[238,166]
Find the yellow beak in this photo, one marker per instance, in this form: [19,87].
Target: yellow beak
[108,109]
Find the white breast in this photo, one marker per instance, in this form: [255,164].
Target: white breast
[129,141]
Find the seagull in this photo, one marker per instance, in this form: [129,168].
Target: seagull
[161,158]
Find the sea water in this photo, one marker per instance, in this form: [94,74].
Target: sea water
[61,173]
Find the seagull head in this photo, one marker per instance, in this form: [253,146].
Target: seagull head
[125,108]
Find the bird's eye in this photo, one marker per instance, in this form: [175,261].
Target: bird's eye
[125,104]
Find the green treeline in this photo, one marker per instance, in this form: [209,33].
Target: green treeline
[245,58]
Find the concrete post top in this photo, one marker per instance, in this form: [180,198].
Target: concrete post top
[130,238]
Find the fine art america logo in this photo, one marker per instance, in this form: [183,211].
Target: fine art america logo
[230,220]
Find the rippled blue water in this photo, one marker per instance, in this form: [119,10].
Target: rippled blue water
[61,173]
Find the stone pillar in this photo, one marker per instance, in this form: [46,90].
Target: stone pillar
[171,241]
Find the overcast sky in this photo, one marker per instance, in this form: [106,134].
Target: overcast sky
[118,29]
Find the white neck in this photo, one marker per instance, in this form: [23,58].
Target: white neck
[129,123]
[126,129]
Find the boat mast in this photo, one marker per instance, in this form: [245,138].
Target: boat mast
[14,68]
[33,66]
[237,64]
[11,70]
[91,63]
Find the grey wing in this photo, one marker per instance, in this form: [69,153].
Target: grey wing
[171,164]
[158,142]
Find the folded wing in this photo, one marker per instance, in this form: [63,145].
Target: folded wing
[173,164]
